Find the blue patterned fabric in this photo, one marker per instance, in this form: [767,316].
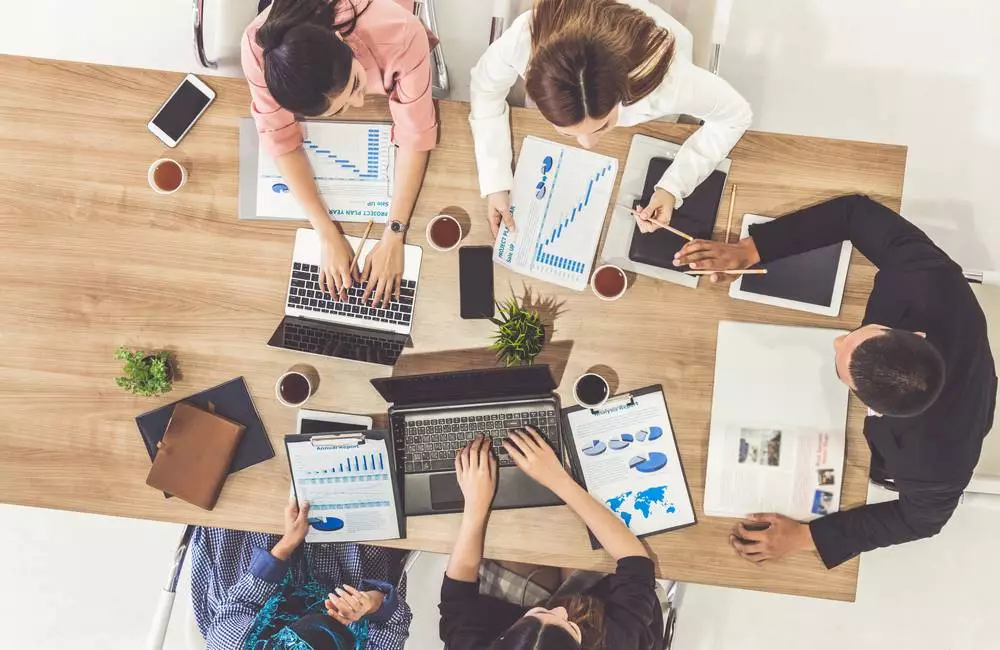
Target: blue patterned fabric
[243,596]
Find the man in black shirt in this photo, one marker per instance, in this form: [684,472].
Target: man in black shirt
[920,361]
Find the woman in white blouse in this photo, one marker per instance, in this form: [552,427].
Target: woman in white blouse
[592,65]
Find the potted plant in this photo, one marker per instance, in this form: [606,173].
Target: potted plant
[520,334]
[145,374]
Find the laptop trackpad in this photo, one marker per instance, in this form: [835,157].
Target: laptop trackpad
[445,493]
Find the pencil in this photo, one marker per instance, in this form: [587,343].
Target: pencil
[733,272]
[364,239]
[659,225]
[729,222]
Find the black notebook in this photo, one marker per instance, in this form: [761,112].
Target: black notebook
[232,401]
[695,217]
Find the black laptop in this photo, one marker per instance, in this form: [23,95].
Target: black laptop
[432,416]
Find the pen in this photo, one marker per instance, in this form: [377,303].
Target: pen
[658,225]
[364,239]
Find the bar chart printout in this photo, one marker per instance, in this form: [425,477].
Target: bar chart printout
[560,200]
[348,486]
[352,164]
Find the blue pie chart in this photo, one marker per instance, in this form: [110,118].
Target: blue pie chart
[647,465]
[617,445]
[627,437]
[641,435]
[655,433]
[595,448]
[327,524]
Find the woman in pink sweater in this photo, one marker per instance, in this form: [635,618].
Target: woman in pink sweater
[318,58]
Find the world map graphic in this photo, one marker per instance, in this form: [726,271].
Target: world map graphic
[644,502]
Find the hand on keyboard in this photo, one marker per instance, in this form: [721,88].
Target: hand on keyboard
[476,471]
[534,456]
[384,270]
[337,268]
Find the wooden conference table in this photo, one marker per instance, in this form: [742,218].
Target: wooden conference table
[93,259]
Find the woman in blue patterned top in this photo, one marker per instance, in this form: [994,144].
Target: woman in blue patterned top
[257,591]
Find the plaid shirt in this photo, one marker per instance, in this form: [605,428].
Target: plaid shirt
[233,575]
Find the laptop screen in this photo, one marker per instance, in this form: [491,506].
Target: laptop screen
[493,384]
[327,339]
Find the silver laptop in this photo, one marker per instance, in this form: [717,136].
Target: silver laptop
[315,323]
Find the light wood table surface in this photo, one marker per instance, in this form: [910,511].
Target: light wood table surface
[93,259]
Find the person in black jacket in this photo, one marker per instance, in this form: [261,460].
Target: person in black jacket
[920,361]
[619,612]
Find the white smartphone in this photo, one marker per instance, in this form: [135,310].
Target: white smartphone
[181,110]
[326,422]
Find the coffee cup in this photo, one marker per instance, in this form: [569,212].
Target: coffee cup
[444,233]
[166,176]
[296,386]
[609,282]
[591,390]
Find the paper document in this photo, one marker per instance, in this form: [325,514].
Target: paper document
[560,198]
[779,417]
[353,167]
[348,484]
[628,459]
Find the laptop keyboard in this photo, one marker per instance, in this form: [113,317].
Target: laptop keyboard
[304,293]
[315,340]
[429,443]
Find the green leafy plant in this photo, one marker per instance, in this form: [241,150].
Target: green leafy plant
[144,374]
[520,334]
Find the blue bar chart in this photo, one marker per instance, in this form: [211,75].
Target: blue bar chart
[359,468]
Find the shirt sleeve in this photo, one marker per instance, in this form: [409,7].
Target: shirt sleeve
[697,92]
[277,128]
[238,611]
[492,78]
[631,605]
[390,625]
[470,621]
[888,240]
[411,101]
[921,511]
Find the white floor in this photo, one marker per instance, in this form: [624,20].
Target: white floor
[905,71]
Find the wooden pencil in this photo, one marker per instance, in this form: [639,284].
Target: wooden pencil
[361,246]
[729,221]
[658,225]
[733,272]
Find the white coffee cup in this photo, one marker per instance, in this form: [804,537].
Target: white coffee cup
[151,175]
[299,388]
[593,282]
[595,380]
[444,218]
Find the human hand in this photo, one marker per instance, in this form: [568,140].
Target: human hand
[657,213]
[296,527]
[349,605]
[384,270]
[705,255]
[476,468]
[782,537]
[498,209]
[336,268]
[533,454]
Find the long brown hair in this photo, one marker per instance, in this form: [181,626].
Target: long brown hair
[529,633]
[587,56]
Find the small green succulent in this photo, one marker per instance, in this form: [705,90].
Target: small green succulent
[520,334]
[144,374]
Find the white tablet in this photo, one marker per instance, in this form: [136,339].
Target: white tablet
[327,422]
[812,281]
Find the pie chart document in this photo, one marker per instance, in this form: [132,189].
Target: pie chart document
[626,456]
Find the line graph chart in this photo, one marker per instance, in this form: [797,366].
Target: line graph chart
[560,200]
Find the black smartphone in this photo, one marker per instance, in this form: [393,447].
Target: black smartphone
[475,277]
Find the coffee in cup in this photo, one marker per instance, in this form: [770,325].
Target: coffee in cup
[444,232]
[166,176]
[591,390]
[609,282]
[296,386]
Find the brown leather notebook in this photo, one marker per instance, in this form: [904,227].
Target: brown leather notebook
[193,458]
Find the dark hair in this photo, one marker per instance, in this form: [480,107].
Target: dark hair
[530,633]
[897,373]
[587,56]
[304,59]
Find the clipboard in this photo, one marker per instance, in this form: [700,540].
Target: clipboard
[354,441]
[619,435]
